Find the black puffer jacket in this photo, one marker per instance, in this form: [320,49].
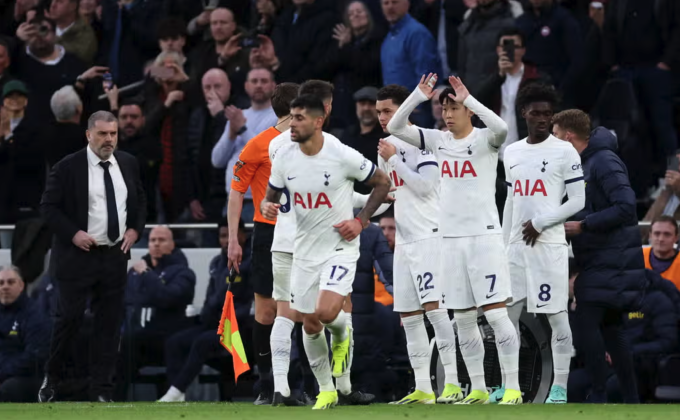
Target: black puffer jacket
[609,251]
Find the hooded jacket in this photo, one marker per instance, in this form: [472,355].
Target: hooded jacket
[609,251]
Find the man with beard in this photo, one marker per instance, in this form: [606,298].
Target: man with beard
[134,140]
[364,137]
[45,67]
[244,125]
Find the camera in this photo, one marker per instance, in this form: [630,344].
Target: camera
[250,40]
[43,30]
[509,49]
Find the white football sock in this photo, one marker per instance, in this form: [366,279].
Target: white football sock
[446,343]
[514,313]
[280,343]
[561,343]
[317,354]
[418,348]
[507,344]
[338,327]
[343,383]
[471,347]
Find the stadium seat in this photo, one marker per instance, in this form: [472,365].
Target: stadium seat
[668,388]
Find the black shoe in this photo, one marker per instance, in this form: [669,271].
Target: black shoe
[264,398]
[291,401]
[102,399]
[355,398]
[47,391]
[307,400]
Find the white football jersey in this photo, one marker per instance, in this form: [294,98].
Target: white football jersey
[320,189]
[537,176]
[416,216]
[284,230]
[468,182]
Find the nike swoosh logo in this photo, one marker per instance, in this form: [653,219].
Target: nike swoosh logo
[514,166]
[442,148]
[290,179]
[424,296]
[264,354]
[540,306]
[490,296]
[561,339]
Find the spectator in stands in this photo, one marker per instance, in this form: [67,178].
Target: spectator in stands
[24,340]
[21,156]
[197,13]
[91,12]
[608,250]
[244,125]
[408,51]
[206,125]
[389,229]
[369,367]
[167,113]
[478,51]
[44,66]
[186,352]
[172,36]
[5,61]
[15,12]
[642,44]
[65,135]
[159,288]
[135,139]
[267,13]
[73,32]
[303,43]
[357,61]
[364,137]
[661,256]
[498,91]
[128,37]
[554,43]
[223,51]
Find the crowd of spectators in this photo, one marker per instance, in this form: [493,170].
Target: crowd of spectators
[191,83]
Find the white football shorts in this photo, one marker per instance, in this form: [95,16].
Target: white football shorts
[541,275]
[416,274]
[309,277]
[475,270]
[282,262]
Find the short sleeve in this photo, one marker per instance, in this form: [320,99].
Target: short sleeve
[426,158]
[276,179]
[572,169]
[245,168]
[358,167]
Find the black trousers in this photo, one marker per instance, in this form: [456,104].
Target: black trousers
[99,276]
[601,330]
[187,351]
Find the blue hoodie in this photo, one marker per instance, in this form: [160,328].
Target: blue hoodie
[609,251]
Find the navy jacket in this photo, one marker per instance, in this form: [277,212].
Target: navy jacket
[24,339]
[653,329]
[167,289]
[218,286]
[609,251]
[367,344]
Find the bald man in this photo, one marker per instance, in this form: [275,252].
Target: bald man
[222,51]
[159,288]
[207,123]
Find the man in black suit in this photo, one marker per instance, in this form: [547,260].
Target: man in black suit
[95,205]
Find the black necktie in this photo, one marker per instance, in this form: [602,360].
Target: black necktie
[111,208]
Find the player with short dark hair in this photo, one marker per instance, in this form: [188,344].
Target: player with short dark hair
[472,242]
[539,170]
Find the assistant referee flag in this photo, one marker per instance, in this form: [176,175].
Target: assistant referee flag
[230,336]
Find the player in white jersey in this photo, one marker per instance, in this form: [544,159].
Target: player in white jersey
[539,170]
[473,254]
[318,173]
[282,261]
[415,175]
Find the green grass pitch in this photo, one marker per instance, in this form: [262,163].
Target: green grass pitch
[246,411]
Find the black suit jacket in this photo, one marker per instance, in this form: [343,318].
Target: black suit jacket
[64,205]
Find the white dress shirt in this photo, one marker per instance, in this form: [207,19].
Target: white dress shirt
[97,214]
[508,100]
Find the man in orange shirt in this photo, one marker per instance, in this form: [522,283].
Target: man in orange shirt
[252,170]
[662,256]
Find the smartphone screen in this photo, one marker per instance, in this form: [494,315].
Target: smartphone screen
[509,48]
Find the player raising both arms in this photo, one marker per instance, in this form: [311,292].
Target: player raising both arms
[318,172]
[415,174]
[539,170]
[472,241]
